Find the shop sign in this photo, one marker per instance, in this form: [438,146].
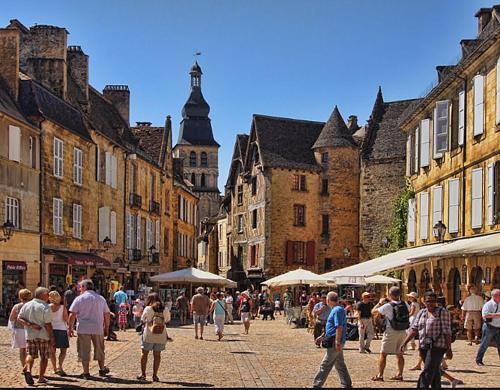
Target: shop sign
[15,266]
[85,263]
[121,270]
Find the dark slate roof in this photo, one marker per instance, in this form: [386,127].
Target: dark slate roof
[287,143]
[150,140]
[36,100]
[242,142]
[384,138]
[196,68]
[9,106]
[238,157]
[335,133]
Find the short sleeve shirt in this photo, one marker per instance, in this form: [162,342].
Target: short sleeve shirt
[388,312]
[433,326]
[120,297]
[323,316]
[473,303]
[491,307]
[89,308]
[337,318]
[365,309]
[181,302]
[200,304]
[37,312]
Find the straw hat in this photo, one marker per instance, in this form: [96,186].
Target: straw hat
[365,294]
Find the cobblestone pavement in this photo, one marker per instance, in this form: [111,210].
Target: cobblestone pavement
[273,355]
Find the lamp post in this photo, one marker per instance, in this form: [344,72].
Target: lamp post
[107,243]
[7,230]
[439,230]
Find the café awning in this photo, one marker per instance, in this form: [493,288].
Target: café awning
[297,277]
[82,259]
[193,276]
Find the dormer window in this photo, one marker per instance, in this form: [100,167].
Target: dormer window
[324,157]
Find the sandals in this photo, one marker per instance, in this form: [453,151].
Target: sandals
[378,378]
[28,378]
[397,378]
[155,378]
[141,377]
[416,368]
[42,380]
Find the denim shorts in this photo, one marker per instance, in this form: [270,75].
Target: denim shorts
[152,346]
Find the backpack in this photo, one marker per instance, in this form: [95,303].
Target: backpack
[157,323]
[401,316]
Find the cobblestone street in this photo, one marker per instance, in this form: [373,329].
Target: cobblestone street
[273,355]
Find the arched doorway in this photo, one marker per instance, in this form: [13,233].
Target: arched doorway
[496,278]
[454,282]
[425,282]
[412,281]
[476,278]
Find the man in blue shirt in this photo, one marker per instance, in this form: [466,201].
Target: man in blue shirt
[336,327]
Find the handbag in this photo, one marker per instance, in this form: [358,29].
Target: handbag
[139,328]
[327,341]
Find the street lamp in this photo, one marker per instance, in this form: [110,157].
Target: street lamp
[8,230]
[107,243]
[439,230]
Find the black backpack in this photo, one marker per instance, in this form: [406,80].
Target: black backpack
[401,316]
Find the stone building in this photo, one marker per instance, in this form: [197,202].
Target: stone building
[198,149]
[19,179]
[453,162]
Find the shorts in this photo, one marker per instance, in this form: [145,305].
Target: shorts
[19,338]
[61,337]
[199,319]
[156,347]
[38,347]
[83,343]
[473,320]
[245,317]
[392,341]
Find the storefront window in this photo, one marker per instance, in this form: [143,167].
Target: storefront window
[13,278]
[57,274]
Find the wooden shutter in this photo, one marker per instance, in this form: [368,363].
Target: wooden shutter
[114,172]
[478,105]
[113,227]
[14,143]
[498,92]
[416,155]
[104,223]
[424,215]
[97,163]
[461,117]
[441,127]
[128,230]
[411,220]
[496,177]
[453,205]
[157,235]
[491,195]
[289,252]
[477,198]
[408,155]
[437,204]
[138,240]
[310,253]
[424,142]
[108,168]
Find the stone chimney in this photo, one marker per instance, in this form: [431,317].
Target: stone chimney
[119,95]
[483,16]
[352,123]
[178,167]
[78,63]
[45,57]
[9,60]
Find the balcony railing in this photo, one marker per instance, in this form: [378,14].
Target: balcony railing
[135,254]
[154,207]
[135,200]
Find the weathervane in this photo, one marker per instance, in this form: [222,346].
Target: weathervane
[197,53]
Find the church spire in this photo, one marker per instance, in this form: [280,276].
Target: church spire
[196,75]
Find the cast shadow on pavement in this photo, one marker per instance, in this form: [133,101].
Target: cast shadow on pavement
[466,371]
[188,384]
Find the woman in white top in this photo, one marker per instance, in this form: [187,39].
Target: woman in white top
[60,329]
[18,331]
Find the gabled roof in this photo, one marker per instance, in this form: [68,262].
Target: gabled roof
[238,157]
[285,142]
[35,100]
[335,133]
[9,106]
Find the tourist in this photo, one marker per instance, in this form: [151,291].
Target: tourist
[122,317]
[287,301]
[433,327]
[36,317]
[17,328]
[137,310]
[218,310]
[210,316]
[60,329]
[70,295]
[229,308]
[471,314]
[334,341]
[267,309]
[200,304]
[321,312]
[491,327]
[365,322]
[414,309]
[91,312]
[397,321]
[119,297]
[155,336]
[236,305]
[277,304]
[244,311]
[182,305]
[112,336]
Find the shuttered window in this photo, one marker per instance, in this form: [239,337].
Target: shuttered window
[114,171]
[14,143]
[416,155]
[491,194]
[77,166]
[12,213]
[441,124]
[411,220]
[113,227]
[437,205]
[498,91]
[58,158]
[57,216]
[108,169]
[138,244]
[478,105]
[477,198]
[496,191]
[453,205]
[97,163]
[461,118]
[157,235]
[77,221]
[408,155]
[104,228]
[299,212]
[424,215]
[128,231]
[149,233]
[425,142]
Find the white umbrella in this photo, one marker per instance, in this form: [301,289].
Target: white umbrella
[381,279]
[298,276]
[193,276]
[364,280]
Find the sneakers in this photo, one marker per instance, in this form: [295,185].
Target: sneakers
[368,350]
[362,351]
[85,376]
[104,371]
[28,378]
[481,364]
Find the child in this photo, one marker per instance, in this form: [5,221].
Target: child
[277,305]
[122,316]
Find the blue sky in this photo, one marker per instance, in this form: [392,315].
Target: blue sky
[287,58]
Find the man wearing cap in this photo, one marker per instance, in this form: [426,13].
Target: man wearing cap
[365,322]
[471,312]
[200,304]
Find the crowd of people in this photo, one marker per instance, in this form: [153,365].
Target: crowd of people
[43,322]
